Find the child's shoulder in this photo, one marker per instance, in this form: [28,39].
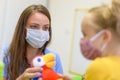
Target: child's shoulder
[98,65]
[95,69]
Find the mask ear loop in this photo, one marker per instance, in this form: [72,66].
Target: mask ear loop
[103,47]
[96,35]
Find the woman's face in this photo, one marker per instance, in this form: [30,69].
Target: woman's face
[38,21]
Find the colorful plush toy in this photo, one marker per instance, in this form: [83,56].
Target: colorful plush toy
[1,69]
[46,62]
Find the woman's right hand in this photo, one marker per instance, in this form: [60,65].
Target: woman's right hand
[30,73]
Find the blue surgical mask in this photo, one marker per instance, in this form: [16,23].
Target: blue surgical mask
[37,38]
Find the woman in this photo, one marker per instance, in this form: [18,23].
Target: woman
[32,35]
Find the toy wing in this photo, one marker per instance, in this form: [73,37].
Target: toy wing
[49,74]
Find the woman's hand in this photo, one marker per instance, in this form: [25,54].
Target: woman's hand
[30,73]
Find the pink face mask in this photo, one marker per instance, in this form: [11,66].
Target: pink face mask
[88,50]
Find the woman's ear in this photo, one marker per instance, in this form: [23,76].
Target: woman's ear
[107,36]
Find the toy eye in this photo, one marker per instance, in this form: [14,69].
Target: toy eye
[38,59]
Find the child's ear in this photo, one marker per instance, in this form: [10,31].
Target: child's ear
[107,36]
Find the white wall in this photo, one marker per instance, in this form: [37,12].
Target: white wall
[2,7]
[62,24]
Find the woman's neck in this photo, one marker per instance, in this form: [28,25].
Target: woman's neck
[31,53]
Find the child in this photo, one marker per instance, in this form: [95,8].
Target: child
[101,42]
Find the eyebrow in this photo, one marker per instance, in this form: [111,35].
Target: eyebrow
[33,23]
[47,24]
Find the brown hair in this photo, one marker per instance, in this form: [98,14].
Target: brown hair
[18,45]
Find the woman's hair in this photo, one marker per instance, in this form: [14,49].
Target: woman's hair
[17,49]
[106,16]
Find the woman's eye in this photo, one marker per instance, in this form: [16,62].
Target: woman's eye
[45,28]
[33,27]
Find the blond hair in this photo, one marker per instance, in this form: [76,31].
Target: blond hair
[106,16]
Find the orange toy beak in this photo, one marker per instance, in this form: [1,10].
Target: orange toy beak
[49,60]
